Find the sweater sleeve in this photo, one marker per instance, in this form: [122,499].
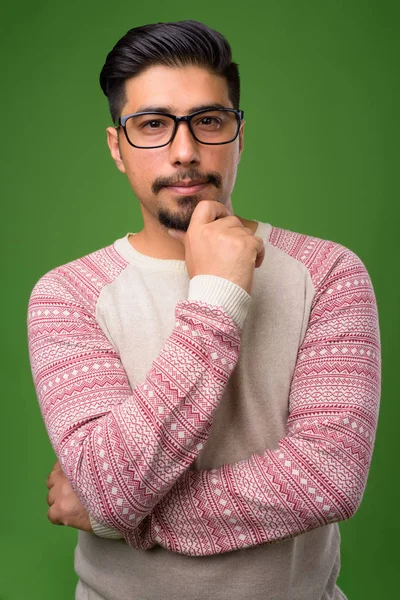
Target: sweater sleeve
[317,473]
[121,449]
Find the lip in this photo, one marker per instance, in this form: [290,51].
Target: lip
[184,188]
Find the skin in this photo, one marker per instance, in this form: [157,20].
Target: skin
[65,508]
[181,89]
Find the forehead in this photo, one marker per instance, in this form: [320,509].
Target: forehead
[179,88]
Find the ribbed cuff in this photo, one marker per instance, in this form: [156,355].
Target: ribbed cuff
[104,531]
[219,291]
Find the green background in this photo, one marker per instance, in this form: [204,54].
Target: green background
[320,91]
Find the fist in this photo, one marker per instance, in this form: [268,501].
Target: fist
[65,506]
[217,243]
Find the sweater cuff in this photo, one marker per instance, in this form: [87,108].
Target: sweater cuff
[104,531]
[221,292]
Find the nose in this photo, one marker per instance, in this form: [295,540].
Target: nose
[184,150]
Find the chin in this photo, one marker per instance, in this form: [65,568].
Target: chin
[180,215]
[177,219]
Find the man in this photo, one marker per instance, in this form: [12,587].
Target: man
[210,384]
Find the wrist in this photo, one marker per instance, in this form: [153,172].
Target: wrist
[219,291]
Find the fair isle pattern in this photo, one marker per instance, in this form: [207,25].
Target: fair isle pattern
[122,449]
[104,433]
[318,472]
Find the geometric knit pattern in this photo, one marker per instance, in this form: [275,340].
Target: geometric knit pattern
[127,452]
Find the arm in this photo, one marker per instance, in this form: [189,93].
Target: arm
[318,472]
[122,449]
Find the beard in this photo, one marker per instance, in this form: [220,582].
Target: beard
[179,218]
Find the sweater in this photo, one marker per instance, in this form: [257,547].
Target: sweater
[221,436]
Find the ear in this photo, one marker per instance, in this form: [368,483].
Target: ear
[241,138]
[113,144]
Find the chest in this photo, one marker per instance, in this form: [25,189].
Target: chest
[253,411]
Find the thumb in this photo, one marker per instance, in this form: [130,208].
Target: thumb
[179,235]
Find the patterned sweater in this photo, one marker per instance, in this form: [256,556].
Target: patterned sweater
[194,420]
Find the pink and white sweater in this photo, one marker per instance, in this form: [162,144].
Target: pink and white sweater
[188,415]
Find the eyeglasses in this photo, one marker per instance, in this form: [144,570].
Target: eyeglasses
[157,129]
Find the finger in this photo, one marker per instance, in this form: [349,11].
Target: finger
[53,516]
[180,235]
[258,241]
[53,519]
[57,466]
[229,222]
[56,471]
[50,498]
[217,224]
[260,248]
[208,211]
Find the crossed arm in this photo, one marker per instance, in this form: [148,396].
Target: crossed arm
[122,449]
[318,472]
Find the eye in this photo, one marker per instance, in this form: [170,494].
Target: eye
[208,121]
[153,124]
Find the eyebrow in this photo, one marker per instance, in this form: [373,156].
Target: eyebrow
[169,109]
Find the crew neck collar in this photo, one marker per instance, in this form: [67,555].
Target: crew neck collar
[134,257]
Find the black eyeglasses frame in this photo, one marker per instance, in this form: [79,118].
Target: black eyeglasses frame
[185,118]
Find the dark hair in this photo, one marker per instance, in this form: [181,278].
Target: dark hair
[174,44]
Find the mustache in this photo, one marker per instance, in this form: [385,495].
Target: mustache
[212,177]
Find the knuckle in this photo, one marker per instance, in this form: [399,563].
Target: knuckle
[207,232]
[51,516]
[238,243]
[65,488]
[63,506]
[232,241]
[236,221]
[203,207]
[223,236]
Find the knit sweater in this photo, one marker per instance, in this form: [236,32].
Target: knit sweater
[223,436]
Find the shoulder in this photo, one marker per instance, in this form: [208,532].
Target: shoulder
[81,280]
[323,259]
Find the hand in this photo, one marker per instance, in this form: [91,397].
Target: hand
[217,243]
[65,506]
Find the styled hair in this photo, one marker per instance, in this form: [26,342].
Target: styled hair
[175,44]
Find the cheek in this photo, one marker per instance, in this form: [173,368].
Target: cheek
[142,169]
[227,156]
[225,162]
